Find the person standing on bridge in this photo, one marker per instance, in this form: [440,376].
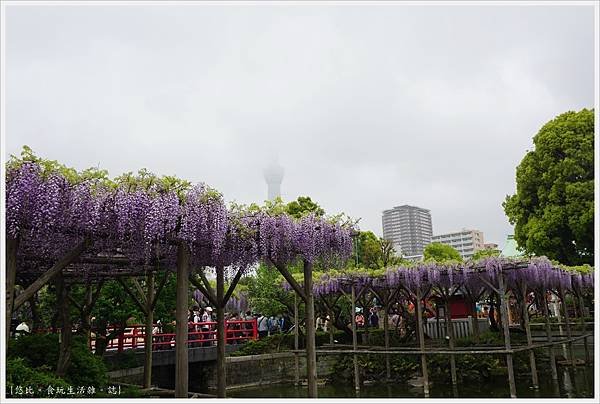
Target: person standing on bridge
[263,326]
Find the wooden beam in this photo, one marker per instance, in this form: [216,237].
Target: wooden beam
[140,290]
[232,286]
[495,289]
[201,288]
[207,286]
[137,301]
[96,295]
[77,305]
[161,285]
[290,279]
[50,274]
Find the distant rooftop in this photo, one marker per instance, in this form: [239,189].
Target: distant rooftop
[406,206]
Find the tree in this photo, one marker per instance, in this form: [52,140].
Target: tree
[303,206]
[266,294]
[553,208]
[441,253]
[486,252]
[369,250]
[388,253]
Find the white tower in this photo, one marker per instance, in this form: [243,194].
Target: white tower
[273,175]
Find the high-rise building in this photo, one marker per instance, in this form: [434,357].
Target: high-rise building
[409,228]
[273,176]
[466,241]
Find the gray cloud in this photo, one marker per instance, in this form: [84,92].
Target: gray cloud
[366,107]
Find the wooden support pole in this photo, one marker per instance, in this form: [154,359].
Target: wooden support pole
[221,370]
[386,335]
[64,356]
[532,363]
[585,340]
[450,334]
[549,335]
[330,325]
[35,317]
[474,318]
[509,357]
[563,303]
[311,355]
[12,246]
[148,333]
[421,335]
[296,334]
[86,313]
[181,315]
[355,340]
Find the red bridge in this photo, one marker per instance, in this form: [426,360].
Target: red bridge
[199,334]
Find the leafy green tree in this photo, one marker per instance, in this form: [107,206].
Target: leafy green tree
[486,252]
[387,253]
[441,253]
[553,208]
[368,248]
[304,206]
[266,293]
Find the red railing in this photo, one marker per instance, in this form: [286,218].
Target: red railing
[199,334]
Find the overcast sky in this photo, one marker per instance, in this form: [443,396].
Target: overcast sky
[366,107]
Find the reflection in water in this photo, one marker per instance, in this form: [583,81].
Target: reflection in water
[573,383]
[567,383]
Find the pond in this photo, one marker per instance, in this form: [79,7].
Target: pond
[573,383]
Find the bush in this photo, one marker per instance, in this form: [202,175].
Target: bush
[86,368]
[42,351]
[20,374]
[285,342]
[36,349]
[272,343]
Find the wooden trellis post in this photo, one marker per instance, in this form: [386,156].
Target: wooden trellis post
[66,337]
[296,333]
[525,315]
[221,370]
[583,327]
[386,335]
[509,355]
[450,333]
[146,302]
[355,340]
[311,354]
[549,335]
[563,303]
[181,315]
[421,335]
[12,246]
[148,332]
[386,297]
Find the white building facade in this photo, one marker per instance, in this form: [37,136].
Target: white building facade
[466,241]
